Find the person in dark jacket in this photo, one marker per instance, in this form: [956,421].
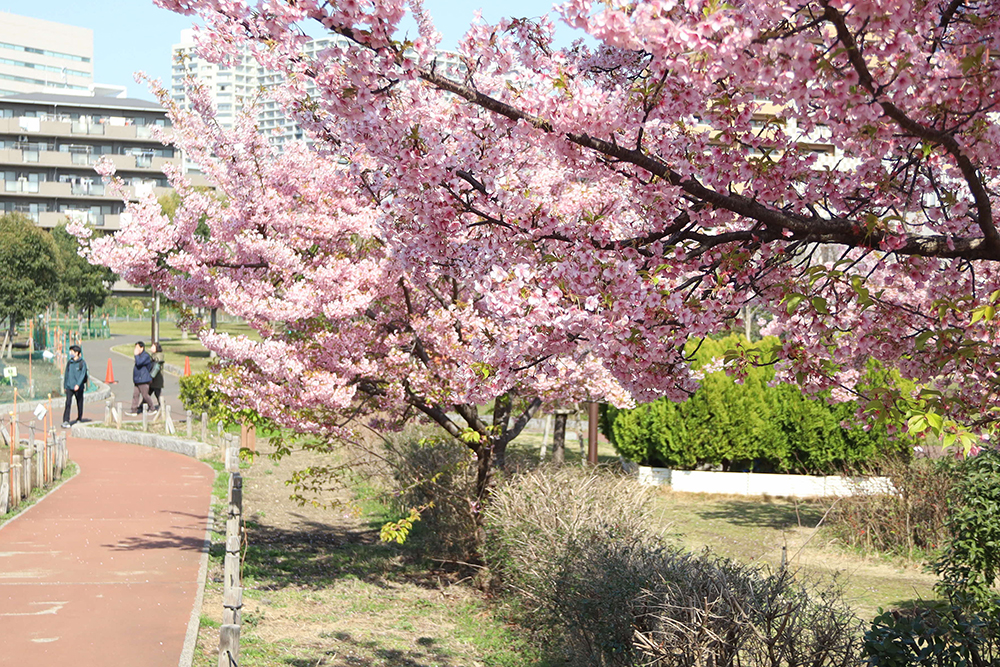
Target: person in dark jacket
[141,377]
[156,386]
[74,381]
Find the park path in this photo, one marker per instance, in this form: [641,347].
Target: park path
[97,353]
[104,572]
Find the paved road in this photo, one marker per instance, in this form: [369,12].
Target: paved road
[104,571]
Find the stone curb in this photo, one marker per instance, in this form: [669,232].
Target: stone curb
[192,448]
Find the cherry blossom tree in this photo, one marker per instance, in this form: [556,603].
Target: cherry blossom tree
[552,221]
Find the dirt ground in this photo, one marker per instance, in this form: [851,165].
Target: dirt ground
[320,589]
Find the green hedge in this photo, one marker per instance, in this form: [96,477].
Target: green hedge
[749,426]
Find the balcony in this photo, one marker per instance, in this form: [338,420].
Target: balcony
[21,186]
[87,189]
[112,128]
[109,221]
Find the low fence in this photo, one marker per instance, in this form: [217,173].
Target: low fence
[232,583]
[31,464]
[759,484]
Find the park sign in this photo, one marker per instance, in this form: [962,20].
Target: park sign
[9,373]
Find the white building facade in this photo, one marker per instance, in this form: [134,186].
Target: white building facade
[39,56]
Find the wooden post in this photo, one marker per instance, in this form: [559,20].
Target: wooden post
[27,483]
[204,427]
[232,453]
[188,422]
[15,482]
[39,463]
[4,487]
[229,646]
[593,416]
[118,416]
[168,422]
[107,412]
[232,585]
[145,418]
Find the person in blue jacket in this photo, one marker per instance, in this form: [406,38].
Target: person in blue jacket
[141,377]
[74,381]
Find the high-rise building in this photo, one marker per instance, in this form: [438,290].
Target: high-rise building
[236,86]
[43,56]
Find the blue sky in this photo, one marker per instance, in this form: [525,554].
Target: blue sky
[132,35]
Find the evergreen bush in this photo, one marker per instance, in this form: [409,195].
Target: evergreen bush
[750,426]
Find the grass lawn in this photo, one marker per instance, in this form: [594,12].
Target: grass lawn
[175,346]
[320,589]
[764,530]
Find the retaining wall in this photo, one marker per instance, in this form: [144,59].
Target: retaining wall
[759,484]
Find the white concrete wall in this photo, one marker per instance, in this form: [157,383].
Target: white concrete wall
[760,484]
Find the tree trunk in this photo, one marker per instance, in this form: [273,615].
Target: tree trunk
[10,338]
[559,438]
[483,474]
[213,323]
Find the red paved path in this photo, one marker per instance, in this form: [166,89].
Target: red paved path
[104,571]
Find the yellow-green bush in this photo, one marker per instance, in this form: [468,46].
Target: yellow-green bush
[748,426]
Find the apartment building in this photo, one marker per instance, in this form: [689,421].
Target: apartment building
[238,85]
[242,83]
[49,144]
[43,56]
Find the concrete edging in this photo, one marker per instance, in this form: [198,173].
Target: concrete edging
[192,448]
[757,484]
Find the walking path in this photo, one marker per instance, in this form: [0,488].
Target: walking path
[97,353]
[104,572]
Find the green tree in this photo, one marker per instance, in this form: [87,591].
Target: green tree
[83,284]
[29,270]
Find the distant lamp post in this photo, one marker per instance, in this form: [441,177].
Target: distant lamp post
[593,415]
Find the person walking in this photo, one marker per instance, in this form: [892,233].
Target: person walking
[156,386]
[74,381]
[141,377]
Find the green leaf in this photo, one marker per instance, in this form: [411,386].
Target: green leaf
[792,302]
[917,424]
[935,421]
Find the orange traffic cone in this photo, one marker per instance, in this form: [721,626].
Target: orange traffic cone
[109,377]
[187,366]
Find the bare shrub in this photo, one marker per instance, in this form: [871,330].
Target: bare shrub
[710,611]
[910,522]
[575,550]
[435,475]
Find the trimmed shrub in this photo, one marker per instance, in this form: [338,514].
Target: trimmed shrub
[198,396]
[573,549]
[749,426]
